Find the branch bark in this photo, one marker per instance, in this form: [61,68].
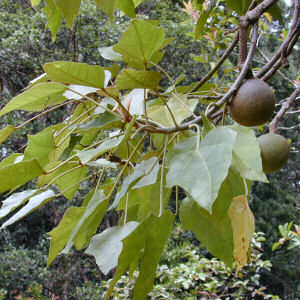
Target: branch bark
[284,108]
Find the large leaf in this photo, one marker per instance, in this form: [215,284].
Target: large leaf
[14,201]
[54,17]
[39,147]
[132,246]
[103,121]
[135,101]
[132,79]
[247,157]
[75,73]
[6,132]
[107,246]
[243,225]
[143,174]
[34,203]
[87,155]
[180,106]
[17,174]
[202,170]
[90,220]
[139,43]
[107,6]
[126,6]
[214,230]
[67,176]
[154,246]
[37,98]
[69,9]
[60,234]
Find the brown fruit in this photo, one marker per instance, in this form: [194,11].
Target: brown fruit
[253,103]
[274,150]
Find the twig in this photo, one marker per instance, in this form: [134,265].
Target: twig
[279,72]
[283,47]
[285,106]
[219,63]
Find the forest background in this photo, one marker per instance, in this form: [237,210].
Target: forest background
[25,45]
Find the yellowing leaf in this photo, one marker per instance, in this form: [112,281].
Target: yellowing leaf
[180,106]
[268,16]
[243,226]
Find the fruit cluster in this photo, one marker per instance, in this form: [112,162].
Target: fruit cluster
[253,105]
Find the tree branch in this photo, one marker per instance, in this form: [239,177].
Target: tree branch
[217,66]
[285,107]
[288,40]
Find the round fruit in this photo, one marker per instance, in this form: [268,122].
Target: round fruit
[275,151]
[253,104]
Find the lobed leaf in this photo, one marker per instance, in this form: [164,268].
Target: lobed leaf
[139,43]
[202,170]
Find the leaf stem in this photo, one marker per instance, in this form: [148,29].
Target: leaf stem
[161,194]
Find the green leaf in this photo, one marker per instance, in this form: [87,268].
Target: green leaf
[132,246]
[37,98]
[247,157]
[89,222]
[60,234]
[155,242]
[67,175]
[132,79]
[214,230]
[276,13]
[13,158]
[107,246]
[69,9]
[207,125]
[109,53]
[236,5]
[34,203]
[202,170]
[181,108]
[139,43]
[103,163]
[87,155]
[143,174]
[243,225]
[104,121]
[75,73]
[14,201]
[107,6]
[6,132]
[54,17]
[35,2]
[200,24]
[39,147]
[17,174]
[126,6]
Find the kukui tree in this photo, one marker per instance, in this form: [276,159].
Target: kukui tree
[135,141]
